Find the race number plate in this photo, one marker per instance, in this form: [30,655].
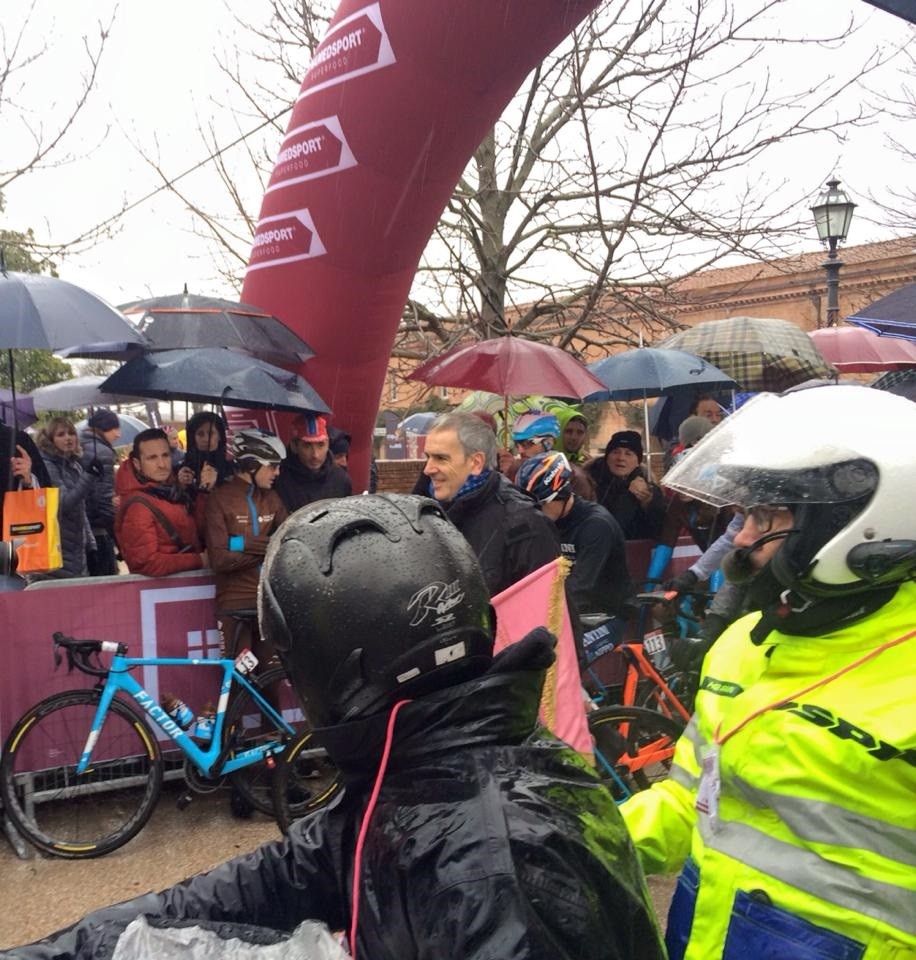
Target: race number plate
[654,642]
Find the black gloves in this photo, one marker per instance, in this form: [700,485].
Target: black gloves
[682,582]
[96,468]
[687,653]
[712,626]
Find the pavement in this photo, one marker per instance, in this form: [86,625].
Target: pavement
[43,894]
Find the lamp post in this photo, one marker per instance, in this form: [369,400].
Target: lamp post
[832,217]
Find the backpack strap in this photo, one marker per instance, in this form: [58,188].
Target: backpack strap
[164,521]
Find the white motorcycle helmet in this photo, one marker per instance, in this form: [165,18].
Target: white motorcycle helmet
[843,458]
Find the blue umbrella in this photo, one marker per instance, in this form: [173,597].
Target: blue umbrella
[651,372]
[418,422]
[891,316]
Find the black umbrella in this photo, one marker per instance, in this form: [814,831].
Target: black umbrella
[46,313]
[214,375]
[185,320]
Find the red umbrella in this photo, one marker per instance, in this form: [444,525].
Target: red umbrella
[510,365]
[853,349]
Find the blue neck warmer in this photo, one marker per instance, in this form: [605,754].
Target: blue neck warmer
[473,482]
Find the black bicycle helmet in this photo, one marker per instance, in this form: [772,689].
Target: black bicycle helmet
[370,599]
[547,477]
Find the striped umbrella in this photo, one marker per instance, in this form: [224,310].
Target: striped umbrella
[760,353]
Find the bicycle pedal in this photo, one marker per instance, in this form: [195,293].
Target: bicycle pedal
[184,801]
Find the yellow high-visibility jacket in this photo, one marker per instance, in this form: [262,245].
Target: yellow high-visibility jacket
[813,853]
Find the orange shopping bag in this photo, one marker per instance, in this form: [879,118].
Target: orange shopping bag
[30,521]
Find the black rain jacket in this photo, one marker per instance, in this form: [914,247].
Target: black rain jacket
[506,530]
[490,840]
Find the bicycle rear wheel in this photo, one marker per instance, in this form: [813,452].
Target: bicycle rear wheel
[304,780]
[633,747]
[78,817]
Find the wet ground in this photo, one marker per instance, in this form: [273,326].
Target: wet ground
[40,895]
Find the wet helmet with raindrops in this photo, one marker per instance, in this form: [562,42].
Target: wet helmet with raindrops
[373,599]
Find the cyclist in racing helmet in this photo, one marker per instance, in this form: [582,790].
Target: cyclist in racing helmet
[794,787]
[590,538]
[535,433]
[240,517]
[253,449]
[470,831]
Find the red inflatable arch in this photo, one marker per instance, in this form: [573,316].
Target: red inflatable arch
[396,99]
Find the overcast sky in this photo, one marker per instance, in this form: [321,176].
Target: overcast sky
[157,80]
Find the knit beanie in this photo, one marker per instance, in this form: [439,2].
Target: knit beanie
[625,438]
[103,419]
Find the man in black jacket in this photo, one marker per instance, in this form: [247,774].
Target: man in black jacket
[97,439]
[503,525]
[590,538]
[309,472]
[484,838]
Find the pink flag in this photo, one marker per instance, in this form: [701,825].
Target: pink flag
[540,601]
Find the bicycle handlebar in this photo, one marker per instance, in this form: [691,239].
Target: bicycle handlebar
[79,653]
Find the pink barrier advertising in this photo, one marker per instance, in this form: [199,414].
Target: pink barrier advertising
[395,100]
[167,617]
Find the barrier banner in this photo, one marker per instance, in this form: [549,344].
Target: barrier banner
[164,617]
[167,617]
[395,100]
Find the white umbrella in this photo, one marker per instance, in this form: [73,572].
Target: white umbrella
[77,394]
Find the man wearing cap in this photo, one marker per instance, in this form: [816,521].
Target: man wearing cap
[97,440]
[309,472]
[504,527]
[623,487]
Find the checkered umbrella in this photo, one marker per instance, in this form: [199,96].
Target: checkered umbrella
[901,382]
[761,353]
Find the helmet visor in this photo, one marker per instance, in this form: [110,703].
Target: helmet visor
[759,456]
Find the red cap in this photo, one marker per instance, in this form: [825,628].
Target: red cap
[309,427]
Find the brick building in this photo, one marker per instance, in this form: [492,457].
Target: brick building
[791,288]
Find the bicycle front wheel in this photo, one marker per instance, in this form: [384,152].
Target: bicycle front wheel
[304,780]
[633,747]
[247,726]
[90,814]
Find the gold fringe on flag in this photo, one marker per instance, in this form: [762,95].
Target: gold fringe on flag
[555,610]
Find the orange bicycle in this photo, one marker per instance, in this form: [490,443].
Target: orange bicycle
[638,711]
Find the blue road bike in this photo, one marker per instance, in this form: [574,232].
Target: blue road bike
[81,772]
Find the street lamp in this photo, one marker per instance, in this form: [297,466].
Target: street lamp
[832,217]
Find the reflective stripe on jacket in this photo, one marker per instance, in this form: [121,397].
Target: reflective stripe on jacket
[817,815]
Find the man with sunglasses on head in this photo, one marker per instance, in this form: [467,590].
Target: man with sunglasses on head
[789,809]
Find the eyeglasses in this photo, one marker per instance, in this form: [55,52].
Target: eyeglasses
[763,517]
[525,444]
